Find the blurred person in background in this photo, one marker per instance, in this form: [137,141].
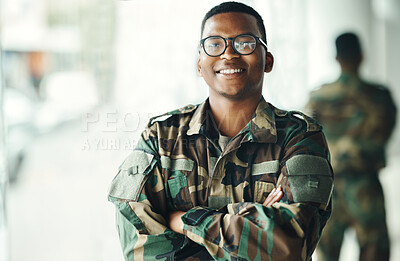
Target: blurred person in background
[233,178]
[358,118]
[36,66]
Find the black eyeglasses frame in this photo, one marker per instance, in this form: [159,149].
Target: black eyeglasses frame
[258,39]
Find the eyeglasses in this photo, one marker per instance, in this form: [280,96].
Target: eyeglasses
[243,44]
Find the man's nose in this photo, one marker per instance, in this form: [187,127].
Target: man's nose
[229,52]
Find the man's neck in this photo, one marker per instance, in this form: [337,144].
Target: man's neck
[349,71]
[349,68]
[232,116]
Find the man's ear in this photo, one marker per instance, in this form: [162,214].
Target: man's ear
[269,62]
[199,67]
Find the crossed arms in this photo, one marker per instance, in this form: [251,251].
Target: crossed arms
[176,224]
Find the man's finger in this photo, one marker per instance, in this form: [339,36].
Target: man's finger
[274,196]
[269,198]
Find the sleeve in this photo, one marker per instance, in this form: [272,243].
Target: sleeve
[139,197]
[287,230]
[389,117]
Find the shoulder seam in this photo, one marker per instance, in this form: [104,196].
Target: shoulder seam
[183,110]
[312,124]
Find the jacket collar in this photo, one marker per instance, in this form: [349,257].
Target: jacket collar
[261,128]
[350,80]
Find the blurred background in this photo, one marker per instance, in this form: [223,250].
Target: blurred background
[80,79]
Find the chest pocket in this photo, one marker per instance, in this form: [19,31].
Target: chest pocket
[263,188]
[131,174]
[177,181]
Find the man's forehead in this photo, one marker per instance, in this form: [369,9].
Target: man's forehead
[231,24]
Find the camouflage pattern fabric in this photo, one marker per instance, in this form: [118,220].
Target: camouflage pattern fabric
[178,165]
[358,204]
[358,119]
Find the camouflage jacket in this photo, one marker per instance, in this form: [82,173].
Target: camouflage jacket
[358,118]
[178,165]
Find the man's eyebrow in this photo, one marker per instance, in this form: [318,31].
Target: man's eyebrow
[251,33]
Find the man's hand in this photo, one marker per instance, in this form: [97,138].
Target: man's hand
[274,196]
[175,222]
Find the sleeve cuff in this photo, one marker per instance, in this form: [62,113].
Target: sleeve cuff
[196,215]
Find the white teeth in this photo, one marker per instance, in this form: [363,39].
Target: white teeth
[230,71]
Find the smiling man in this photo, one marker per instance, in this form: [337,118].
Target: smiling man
[233,178]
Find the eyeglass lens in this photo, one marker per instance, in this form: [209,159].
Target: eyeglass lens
[243,44]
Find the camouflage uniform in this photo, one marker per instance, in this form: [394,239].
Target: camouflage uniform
[358,119]
[178,165]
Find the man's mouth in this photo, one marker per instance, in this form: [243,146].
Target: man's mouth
[230,71]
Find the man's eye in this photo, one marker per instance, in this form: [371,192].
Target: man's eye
[213,45]
[244,45]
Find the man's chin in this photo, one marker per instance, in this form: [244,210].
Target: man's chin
[237,94]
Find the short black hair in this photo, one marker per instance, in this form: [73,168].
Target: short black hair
[229,7]
[348,47]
